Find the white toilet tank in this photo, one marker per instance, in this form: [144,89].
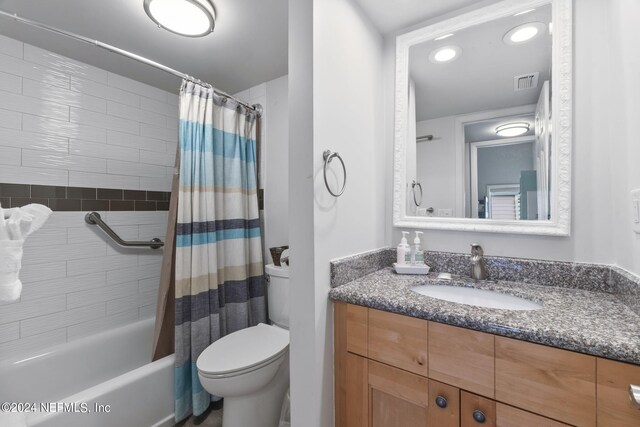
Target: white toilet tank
[278,295]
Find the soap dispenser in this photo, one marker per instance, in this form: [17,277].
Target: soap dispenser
[417,256]
[403,249]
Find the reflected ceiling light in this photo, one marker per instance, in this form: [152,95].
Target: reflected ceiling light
[191,18]
[512,129]
[445,54]
[523,12]
[523,33]
[446,36]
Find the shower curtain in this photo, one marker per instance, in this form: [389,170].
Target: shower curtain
[219,281]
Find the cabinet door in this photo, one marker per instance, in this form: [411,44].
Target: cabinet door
[555,383]
[397,398]
[444,405]
[462,358]
[476,411]
[351,388]
[614,404]
[398,340]
[507,416]
[357,318]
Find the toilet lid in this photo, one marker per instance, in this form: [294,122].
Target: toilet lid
[243,349]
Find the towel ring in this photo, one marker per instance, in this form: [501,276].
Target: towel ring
[328,156]
[413,188]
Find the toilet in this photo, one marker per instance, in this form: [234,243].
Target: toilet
[250,367]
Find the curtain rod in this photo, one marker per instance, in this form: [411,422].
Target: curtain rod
[257,108]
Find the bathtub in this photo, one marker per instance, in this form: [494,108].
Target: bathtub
[104,380]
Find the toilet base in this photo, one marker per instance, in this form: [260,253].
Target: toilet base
[259,409]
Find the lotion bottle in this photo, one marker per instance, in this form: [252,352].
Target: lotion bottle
[417,257]
[403,249]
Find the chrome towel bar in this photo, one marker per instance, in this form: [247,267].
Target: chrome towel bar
[94,218]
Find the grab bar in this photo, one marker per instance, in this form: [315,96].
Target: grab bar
[94,218]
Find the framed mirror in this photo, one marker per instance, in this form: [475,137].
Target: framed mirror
[483,121]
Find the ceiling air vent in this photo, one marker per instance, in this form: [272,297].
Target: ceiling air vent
[525,81]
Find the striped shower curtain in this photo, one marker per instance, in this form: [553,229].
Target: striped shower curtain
[219,282]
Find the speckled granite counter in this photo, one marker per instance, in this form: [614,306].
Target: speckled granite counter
[595,323]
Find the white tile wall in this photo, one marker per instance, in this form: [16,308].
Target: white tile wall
[76,283]
[10,83]
[10,119]
[66,123]
[10,47]
[94,119]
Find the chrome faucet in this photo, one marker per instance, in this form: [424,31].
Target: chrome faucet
[478,268]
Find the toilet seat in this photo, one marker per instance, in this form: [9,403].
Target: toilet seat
[243,351]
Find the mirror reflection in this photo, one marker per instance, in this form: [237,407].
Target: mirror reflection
[479,142]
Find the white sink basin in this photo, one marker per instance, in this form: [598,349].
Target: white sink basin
[477,297]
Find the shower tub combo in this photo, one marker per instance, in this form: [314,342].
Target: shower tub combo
[100,381]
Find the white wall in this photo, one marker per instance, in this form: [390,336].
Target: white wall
[591,237]
[347,116]
[624,68]
[65,123]
[274,158]
[436,164]
[276,203]
[307,390]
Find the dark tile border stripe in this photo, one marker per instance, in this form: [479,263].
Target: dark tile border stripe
[59,198]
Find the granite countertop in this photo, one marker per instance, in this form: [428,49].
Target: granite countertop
[595,323]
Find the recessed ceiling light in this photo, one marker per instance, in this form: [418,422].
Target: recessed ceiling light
[445,54]
[191,18]
[523,33]
[523,12]
[446,36]
[512,129]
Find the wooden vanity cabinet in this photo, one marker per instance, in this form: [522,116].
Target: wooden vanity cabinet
[556,383]
[614,406]
[399,341]
[397,397]
[462,358]
[406,372]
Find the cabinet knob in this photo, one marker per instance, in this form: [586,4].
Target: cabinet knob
[441,402]
[479,416]
[634,395]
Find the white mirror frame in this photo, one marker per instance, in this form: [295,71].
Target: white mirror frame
[561,122]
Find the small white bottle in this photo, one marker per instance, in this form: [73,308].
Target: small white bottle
[417,256]
[403,249]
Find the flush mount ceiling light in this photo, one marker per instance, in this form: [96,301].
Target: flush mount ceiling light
[445,54]
[523,33]
[523,12]
[191,18]
[445,36]
[512,129]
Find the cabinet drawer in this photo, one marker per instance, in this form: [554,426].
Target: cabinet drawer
[357,317]
[397,340]
[507,416]
[472,407]
[398,398]
[462,358]
[614,405]
[556,383]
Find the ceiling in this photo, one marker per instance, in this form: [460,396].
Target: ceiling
[482,78]
[393,15]
[248,46]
